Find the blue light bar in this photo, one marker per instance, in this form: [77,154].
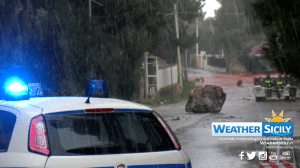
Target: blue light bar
[35,90]
[15,88]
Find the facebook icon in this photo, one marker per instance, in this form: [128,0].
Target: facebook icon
[241,155]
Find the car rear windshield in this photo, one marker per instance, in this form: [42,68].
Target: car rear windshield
[106,133]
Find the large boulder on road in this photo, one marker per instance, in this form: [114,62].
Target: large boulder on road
[205,99]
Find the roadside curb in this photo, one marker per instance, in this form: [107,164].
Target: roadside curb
[194,70]
[199,71]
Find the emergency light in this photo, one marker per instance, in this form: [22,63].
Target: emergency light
[35,90]
[14,89]
[16,83]
[96,88]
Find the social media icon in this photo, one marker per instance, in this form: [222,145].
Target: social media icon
[273,156]
[241,155]
[251,155]
[286,153]
[262,155]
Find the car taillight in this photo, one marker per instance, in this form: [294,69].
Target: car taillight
[256,81]
[38,141]
[169,131]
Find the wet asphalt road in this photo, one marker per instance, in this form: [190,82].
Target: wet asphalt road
[195,135]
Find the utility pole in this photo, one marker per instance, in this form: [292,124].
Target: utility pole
[197,41]
[185,72]
[90,9]
[146,74]
[178,47]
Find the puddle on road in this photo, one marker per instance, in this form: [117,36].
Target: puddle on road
[234,149]
[207,151]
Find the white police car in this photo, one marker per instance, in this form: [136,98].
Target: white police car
[73,132]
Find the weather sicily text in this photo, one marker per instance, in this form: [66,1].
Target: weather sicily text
[252,129]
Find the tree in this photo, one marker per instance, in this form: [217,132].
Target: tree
[281,24]
[113,43]
[230,30]
[23,45]
[58,40]
[188,11]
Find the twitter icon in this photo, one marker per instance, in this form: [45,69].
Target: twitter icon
[251,155]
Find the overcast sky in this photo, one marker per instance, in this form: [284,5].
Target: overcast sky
[209,7]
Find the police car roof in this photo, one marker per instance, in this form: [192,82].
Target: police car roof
[59,104]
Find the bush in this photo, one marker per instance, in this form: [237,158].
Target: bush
[148,101]
[171,97]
